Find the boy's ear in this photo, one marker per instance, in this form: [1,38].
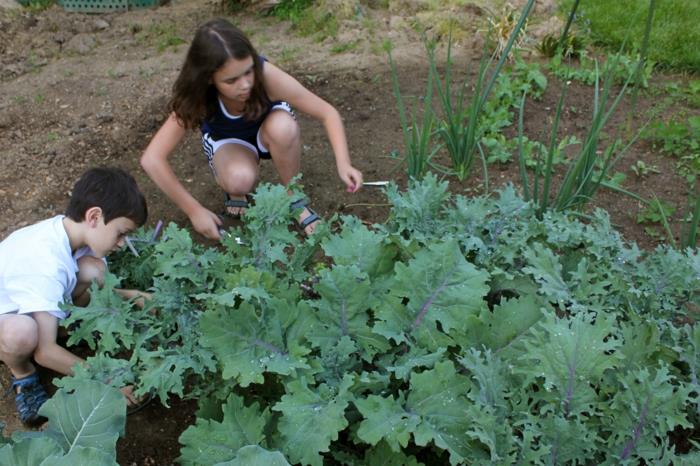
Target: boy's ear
[93,215]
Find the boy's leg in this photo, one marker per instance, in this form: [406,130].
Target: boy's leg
[236,171]
[19,337]
[281,135]
[90,269]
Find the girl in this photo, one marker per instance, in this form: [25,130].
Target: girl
[241,103]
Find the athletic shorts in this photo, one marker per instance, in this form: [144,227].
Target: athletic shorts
[250,139]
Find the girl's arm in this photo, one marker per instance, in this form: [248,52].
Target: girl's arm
[281,86]
[155,162]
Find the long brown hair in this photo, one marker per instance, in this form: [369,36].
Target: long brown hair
[194,95]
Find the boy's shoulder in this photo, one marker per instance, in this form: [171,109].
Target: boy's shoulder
[42,240]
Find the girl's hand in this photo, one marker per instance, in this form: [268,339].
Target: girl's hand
[206,223]
[352,178]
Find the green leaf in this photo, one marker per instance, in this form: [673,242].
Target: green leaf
[102,368]
[81,456]
[547,271]
[416,357]
[649,403]
[107,315]
[357,245]
[385,419]
[166,372]
[93,416]
[438,396]
[382,455]
[416,213]
[211,442]
[29,451]
[178,258]
[441,286]
[489,373]
[248,344]
[508,322]
[253,455]
[571,355]
[341,311]
[311,420]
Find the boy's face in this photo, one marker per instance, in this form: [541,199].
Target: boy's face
[106,238]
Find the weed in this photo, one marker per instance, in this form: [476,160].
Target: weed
[345,46]
[642,170]
[36,6]
[621,66]
[503,27]
[680,139]
[39,99]
[162,35]
[656,212]
[288,55]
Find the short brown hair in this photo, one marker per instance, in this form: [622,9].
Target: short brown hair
[111,189]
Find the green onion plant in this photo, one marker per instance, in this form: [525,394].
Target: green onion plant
[417,132]
[588,170]
[459,127]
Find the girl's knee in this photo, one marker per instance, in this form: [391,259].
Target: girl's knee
[281,129]
[90,269]
[238,180]
[19,335]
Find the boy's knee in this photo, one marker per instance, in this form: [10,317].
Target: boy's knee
[91,269]
[19,335]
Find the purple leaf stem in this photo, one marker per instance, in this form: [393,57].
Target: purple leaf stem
[426,305]
[632,443]
[570,387]
[267,346]
[156,232]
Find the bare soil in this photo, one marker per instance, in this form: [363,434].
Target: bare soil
[80,90]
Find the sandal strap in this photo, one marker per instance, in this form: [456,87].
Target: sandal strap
[30,398]
[313,217]
[299,203]
[240,203]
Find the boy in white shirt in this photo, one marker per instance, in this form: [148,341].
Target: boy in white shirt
[55,261]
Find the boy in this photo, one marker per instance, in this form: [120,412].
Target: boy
[55,261]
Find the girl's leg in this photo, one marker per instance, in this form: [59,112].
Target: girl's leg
[281,135]
[19,337]
[236,171]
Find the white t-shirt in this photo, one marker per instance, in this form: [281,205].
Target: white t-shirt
[37,269]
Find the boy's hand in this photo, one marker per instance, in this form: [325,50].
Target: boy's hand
[128,393]
[352,178]
[139,297]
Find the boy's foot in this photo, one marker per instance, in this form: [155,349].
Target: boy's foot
[29,396]
[236,206]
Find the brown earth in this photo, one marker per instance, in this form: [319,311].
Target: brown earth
[81,90]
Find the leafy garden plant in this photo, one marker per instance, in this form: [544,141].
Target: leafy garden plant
[461,331]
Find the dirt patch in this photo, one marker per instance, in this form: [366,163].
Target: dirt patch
[78,91]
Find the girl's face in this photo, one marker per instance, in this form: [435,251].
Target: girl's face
[235,79]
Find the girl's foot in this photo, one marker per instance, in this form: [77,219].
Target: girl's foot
[236,205]
[308,219]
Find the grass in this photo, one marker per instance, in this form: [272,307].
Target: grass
[674,34]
